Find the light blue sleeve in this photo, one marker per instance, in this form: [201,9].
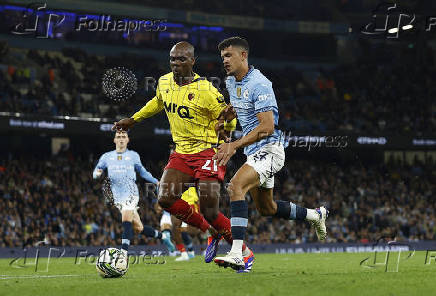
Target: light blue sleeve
[142,171]
[263,97]
[101,165]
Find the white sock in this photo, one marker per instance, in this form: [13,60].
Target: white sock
[237,246]
[312,215]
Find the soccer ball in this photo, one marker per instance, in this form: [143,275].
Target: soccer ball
[112,263]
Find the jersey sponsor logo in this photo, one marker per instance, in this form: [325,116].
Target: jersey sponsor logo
[181,110]
[264,97]
[220,99]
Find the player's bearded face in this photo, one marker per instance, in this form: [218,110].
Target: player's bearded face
[232,60]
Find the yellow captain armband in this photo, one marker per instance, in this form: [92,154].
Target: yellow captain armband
[230,126]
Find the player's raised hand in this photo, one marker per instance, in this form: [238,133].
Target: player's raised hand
[224,153]
[221,132]
[124,124]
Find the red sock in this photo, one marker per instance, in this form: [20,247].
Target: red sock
[223,226]
[181,248]
[184,212]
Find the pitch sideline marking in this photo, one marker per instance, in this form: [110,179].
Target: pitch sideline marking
[8,277]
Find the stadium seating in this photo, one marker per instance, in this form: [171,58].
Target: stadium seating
[56,200]
[369,97]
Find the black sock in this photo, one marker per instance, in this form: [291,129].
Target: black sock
[187,240]
[239,220]
[151,232]
[127,235]
[290,211]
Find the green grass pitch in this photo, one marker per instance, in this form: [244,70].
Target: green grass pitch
[287,274]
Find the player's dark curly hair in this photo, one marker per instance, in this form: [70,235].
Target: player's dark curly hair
[234,41]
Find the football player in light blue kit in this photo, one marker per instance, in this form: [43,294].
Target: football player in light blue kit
[252,98]
[121,166]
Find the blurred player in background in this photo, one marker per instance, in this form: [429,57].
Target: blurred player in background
[253,99]
[193,106]
[181,230]
[166,226]
[121,166]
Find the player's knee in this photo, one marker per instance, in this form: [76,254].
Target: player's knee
[138,229]
[165,203]
[234,188]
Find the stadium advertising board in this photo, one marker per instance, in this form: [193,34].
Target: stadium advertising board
[96,126]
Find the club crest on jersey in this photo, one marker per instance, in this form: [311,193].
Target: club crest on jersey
[119,157]
[245,95]
[190,96]
[238,92]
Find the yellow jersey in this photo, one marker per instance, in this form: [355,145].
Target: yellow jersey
[192,110]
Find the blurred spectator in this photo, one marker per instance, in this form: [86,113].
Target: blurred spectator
[55,199]
[368,96]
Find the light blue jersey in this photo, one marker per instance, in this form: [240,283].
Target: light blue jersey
[121,169]
[252,95]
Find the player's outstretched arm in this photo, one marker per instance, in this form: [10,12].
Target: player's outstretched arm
[124,124]
[152,107]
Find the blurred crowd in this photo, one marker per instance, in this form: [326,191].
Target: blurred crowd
[55,201]
[394,95]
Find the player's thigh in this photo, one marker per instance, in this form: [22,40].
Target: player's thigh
[264,200]
[245,179]
[172,184]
